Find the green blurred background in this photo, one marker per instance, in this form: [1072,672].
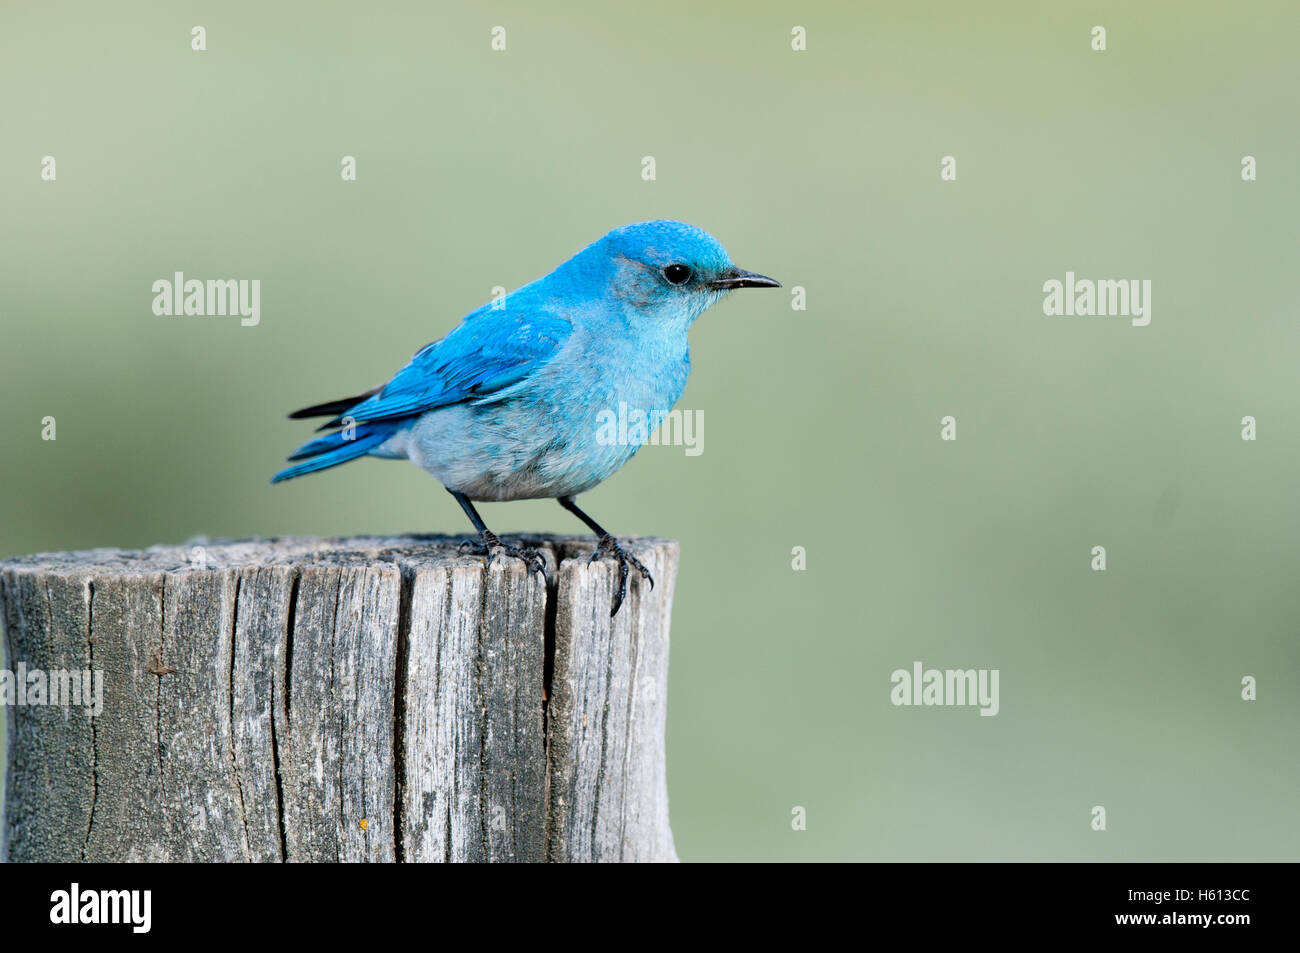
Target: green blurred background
[821,168]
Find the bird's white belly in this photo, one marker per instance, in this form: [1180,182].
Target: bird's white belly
[504,452]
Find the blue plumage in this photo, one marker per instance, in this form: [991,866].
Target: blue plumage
[336,448]
[508,405]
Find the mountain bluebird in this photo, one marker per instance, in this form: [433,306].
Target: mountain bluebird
[508,406]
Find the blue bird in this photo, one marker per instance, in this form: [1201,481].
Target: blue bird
[508,406]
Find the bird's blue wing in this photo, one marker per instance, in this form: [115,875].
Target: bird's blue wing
[488,352]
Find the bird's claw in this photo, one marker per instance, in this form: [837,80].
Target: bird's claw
[609,546]
[492,547]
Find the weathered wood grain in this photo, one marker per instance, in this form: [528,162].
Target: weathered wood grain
[365,699]
[609,789]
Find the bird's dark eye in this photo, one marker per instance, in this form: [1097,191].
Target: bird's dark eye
[677,274]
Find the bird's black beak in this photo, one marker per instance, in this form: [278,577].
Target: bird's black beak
[740,278]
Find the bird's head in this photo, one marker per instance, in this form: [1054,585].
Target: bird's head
[665,270]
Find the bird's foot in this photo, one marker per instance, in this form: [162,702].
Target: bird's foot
[491,547]
[609,546]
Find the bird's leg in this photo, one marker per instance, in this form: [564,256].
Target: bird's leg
[608,546]
[492,547]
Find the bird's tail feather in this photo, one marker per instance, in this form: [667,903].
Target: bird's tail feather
[335,448]
[332,408]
